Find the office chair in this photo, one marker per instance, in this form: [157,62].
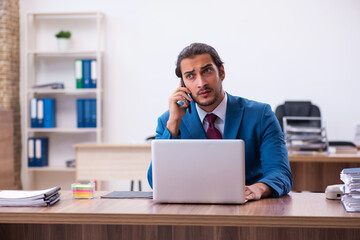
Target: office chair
[150,138]
[297,109]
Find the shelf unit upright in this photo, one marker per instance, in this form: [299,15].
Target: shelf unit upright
[44,63]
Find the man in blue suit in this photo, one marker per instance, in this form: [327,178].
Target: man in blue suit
[267,165]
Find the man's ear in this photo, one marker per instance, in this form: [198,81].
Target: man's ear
[222,73]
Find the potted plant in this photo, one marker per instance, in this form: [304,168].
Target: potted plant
[63,39]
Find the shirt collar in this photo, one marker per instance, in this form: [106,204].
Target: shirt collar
[219,111]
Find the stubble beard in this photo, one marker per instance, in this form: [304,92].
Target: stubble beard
[209,102]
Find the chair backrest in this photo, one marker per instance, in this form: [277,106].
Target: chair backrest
[297,109]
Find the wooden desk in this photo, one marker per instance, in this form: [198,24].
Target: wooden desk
[296,216]
[315,172]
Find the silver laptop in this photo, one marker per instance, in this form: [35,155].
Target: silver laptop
[198,171]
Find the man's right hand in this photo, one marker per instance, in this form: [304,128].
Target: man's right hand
[176,110]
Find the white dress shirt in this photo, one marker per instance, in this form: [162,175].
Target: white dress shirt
[219,111]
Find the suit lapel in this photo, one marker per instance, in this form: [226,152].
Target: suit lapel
[233,118]
[193,125]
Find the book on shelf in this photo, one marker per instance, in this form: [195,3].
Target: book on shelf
[86,73]
[38,152]
[33,112]
[86,112]
[49,113]
[93,113]
[42,113]
[80,112]
[31,152]
[351,197]
[79,73]
[93,75]
[21,198]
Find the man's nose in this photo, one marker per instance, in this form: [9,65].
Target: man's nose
[200,81]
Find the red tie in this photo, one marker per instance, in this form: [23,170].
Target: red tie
[212,132]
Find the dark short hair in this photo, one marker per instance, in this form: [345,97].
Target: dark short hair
[195,49]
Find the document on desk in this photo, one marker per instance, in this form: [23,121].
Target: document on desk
[20,198]
[351,199]
[351,202]
[128,194]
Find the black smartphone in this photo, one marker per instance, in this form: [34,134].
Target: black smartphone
[187,101]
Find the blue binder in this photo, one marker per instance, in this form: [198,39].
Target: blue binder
[93,113]
[40,113]
[87,73]
[31,152]
[87,112]
[80,112]
[33,113]
[79,73]
[93,73]
[41,152]
[49,113]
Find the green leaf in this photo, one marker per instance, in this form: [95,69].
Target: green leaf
[63,34]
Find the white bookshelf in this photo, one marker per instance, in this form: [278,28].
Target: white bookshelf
[63,91]
[44,63]
[63,53]
[63,130]
[51,169]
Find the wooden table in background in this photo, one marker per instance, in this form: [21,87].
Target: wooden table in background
[101,161]
[295,216]
[111,162]
[315,172]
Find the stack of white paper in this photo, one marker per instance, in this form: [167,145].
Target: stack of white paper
[19,198]
[351,198]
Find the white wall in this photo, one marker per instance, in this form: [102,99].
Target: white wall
[273,51]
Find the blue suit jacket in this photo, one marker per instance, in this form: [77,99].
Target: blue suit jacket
[266,156]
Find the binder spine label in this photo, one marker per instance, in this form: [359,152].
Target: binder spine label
[93,73]
[31,153]
[40,113]
[79,73]
[33,105]
[78,69]
[38,148]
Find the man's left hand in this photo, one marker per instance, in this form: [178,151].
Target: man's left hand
[257,191]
